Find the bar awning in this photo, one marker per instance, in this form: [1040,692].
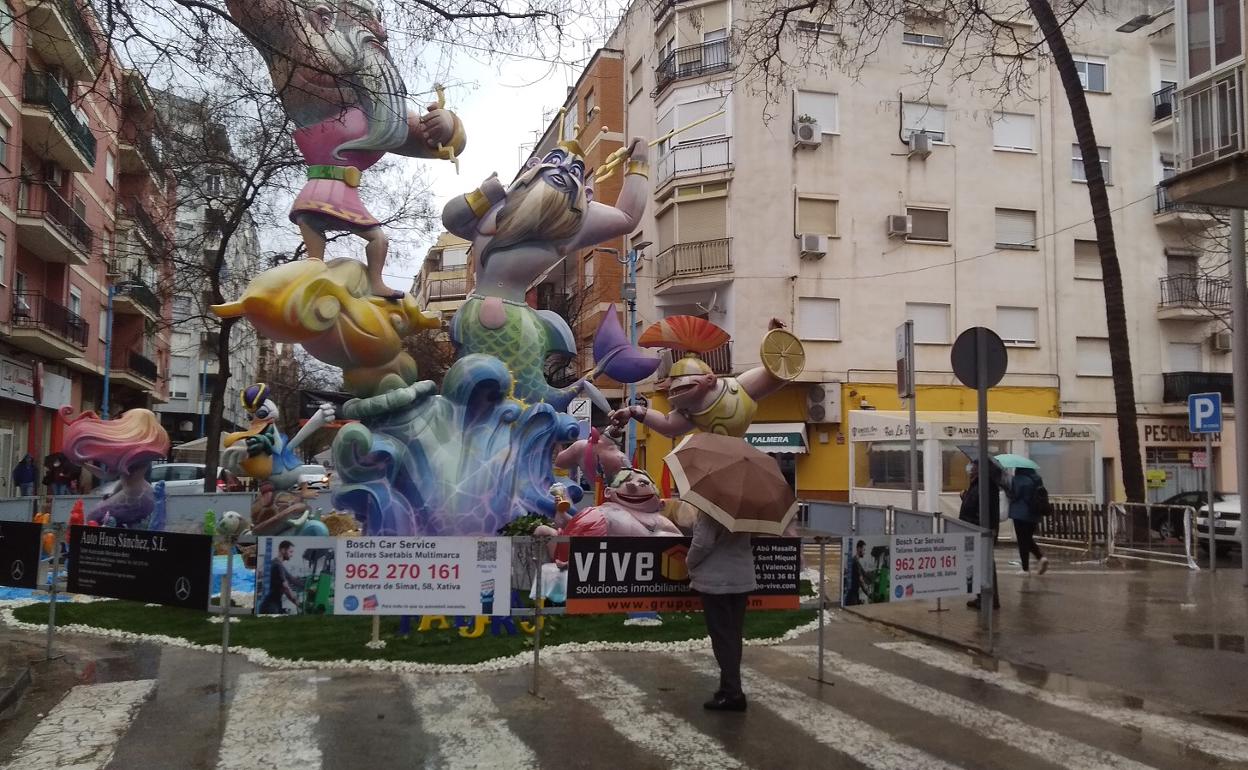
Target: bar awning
[778,437]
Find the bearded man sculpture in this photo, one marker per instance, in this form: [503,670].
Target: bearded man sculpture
[335,78]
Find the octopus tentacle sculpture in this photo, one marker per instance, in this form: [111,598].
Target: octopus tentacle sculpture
[121,449]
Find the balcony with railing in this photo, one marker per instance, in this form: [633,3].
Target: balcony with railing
[1194,297]
[720,359]
[1163,102]
[49,228]
[50,126]
[46,327]
[691,61]
[134,369]
[136,212]
[1213,167]
[700,259]
[1167,209]
[132,282]
[59,32]
[1177,386]
[703,156]
[139,156]
[448,288]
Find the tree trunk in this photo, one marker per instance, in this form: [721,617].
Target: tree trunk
[216,407]
[1115,307]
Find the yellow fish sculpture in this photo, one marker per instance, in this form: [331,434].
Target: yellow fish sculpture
[328,308]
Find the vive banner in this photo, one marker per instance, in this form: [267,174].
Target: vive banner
[390,575]
[649,574]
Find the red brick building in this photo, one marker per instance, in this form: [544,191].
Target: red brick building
[84,206]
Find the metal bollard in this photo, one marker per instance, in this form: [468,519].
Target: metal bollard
[537,615]
[226,603]
[58,530]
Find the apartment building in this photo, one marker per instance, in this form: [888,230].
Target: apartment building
[850,204]
[446,276]
[585,284]
[84,215]
[202,203]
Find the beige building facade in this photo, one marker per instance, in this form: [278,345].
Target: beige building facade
[816,206]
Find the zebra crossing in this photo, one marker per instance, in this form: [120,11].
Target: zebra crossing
[887,706]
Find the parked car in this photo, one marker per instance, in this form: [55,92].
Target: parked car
[1166,516]
[1226,518]
[315,476]
[185,479]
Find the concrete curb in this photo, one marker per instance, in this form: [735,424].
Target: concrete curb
[922,633]
[13,690]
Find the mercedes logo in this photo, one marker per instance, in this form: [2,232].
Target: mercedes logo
[18,570]
[182,589]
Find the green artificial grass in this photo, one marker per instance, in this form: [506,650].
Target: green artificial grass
[329,637]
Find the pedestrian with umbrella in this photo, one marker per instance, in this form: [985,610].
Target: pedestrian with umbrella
[969,512]
[1025,508]
[739,492]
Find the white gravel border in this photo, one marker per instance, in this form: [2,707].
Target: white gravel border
[263,658]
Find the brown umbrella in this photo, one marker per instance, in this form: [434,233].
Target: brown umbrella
[732,482]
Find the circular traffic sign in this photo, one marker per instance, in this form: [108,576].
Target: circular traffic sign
[965,357]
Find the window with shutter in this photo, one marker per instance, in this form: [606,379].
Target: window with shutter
[816,215]
[1077,170]
[1087,261]
[929,225]
[1093,72]
[818,318]
[1014,131]
[702,220]
[923,30]
[665,226]
[1016,229]
[1092,357]
[931,322]
[820,106]
[1018,325]
[1184,356]
[928,118]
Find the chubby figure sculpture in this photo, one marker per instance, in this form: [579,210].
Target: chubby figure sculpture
[633,508]
[122,449]
[700,399]
[326,307]
[520,232]
[333,73]
[261,451]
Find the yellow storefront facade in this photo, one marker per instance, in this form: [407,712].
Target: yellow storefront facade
[821,471]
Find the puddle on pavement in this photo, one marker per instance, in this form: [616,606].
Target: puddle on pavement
[1044,679]
[1220,642]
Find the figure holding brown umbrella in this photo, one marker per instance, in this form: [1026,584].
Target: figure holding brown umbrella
[739,492]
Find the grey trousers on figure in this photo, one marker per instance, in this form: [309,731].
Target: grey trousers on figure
[725,623]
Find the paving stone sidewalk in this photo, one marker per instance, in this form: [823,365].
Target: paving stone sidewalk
[1157,631]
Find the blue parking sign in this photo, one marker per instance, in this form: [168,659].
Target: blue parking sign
[1204,413]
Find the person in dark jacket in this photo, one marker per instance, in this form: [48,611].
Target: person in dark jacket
[969,512]
[58,473]
[1026,515]
[721,569]
[25,475]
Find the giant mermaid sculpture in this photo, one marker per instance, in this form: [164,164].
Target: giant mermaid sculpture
[333,73]
[123,448]
[521,232]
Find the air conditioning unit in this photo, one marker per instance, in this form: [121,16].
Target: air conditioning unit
[900,225]
[813,246]
[823,402]
[920,144]
[808,135]
[1221,342]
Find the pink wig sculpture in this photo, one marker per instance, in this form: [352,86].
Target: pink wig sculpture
[123,449]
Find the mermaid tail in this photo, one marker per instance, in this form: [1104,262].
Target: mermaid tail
[521,338]
[616,357]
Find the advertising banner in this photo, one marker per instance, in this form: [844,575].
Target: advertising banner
[295,575]
[897,568]
[649,574]
[153,567]
[423,576]
[19,554]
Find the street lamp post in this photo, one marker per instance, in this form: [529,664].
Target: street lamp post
[108,348]
[629,294]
